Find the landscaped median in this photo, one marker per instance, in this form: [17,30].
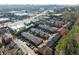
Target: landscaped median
[69,44]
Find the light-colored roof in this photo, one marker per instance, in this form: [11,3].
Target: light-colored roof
[21,14]
[4,19]
[17,26]
[29,26]
[59,14]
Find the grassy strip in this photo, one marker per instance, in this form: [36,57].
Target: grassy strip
[67,44]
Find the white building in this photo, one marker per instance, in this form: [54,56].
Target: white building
[4,19]
[17,27]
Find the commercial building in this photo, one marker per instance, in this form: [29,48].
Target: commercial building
[53,39]
[48,28]
[16,27]
[45,51]
[58,24]
[63,31]
[31,38]
[39,33]
[2,20]
[68,25]
[7,38]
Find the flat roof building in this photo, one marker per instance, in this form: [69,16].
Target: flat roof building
[17,27]
[48,28]
[31,38]
[39,33]
[68,25]
[63,31]
[2,20]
